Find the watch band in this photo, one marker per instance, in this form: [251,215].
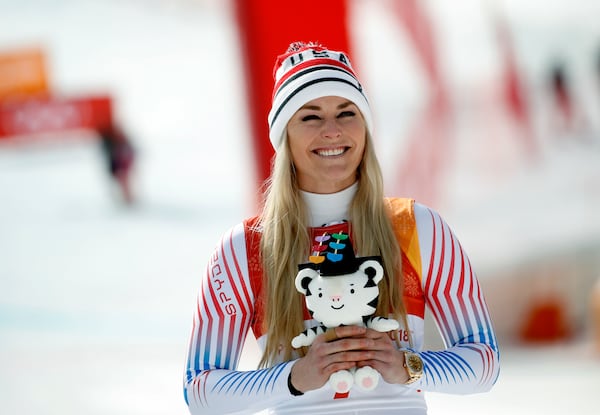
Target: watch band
[414,367]
[291,387]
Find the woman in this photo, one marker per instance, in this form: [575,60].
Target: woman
[326,176]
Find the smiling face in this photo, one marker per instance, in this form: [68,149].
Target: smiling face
[327,139]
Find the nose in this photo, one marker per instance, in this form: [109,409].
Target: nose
[331,129]
[336,298]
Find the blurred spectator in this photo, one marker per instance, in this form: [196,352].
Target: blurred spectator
[563,115]
[119,155]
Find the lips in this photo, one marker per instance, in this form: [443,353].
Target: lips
[330,152]
[338,308]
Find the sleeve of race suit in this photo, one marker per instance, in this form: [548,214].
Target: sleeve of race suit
[470,361]
[222,319]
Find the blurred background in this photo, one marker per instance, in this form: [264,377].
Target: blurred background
[128,145]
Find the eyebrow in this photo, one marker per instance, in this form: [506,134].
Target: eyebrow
[316,107]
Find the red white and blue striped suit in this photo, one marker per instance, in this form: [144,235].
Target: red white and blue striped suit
[437,276]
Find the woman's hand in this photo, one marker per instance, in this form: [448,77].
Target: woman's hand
[346,347]
[385,358]
[328,355]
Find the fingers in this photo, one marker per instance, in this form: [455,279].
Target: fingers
[385,358]
[330,335]
[340,332]
[337,349]
[377,335]
[344,338]
[355,346]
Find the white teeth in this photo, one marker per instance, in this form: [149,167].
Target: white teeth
[330,152]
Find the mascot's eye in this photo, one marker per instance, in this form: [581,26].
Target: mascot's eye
[320,295]
[352,291]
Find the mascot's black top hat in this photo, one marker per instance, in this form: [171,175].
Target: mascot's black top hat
[334,255]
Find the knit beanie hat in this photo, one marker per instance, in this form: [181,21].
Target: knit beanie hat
[308,71]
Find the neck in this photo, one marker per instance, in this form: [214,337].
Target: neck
[326,208]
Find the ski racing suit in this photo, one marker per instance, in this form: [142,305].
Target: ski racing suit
[437,275]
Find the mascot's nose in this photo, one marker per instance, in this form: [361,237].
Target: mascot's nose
[336,298]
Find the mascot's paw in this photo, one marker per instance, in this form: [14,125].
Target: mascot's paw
[341,381]
[366,378]
[299,341]
[383,325]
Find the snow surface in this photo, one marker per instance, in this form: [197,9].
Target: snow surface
[96,299]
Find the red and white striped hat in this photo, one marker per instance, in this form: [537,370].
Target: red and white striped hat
[308,71]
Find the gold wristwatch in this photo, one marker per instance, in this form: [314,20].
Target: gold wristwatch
[414,366]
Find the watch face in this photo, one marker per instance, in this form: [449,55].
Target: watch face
[414,363]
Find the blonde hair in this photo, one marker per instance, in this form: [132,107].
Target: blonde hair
[285,243]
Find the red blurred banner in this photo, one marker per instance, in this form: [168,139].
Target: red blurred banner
[54,114]
[266,28]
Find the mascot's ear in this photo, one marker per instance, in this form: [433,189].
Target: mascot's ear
[373,270]
[303,278]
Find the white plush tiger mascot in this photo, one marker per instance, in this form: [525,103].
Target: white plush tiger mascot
[341,289]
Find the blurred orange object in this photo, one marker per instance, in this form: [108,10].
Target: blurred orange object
[545,321]
[23,73]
